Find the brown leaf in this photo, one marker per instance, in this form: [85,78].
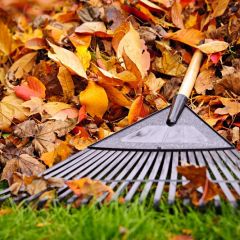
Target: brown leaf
[232,107]
[85,187]
[219,7]
[198,178]
[204,81]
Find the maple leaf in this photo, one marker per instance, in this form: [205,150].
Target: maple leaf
[231,107]
[86,187]
[60,153]
[68,59]
[95,99]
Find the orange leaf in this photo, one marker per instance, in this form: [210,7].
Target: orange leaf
[35,88]
[95,99]
[36,43]
[232,107]
[176,14]
[188,36]
[137,110]
[82,114]
[86,187]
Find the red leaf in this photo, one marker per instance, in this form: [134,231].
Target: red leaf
[82,114]
[215,57]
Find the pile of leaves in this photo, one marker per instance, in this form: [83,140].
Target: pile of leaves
[73,72]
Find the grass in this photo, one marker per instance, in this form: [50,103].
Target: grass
[118,221]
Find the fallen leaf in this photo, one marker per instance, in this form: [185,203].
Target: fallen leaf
[10,108]
[176,14]
[5,39]
[182,237]
[80,143]
[66,82]
[213,47]
[204,81]
[84,56]
[135,49]
[34,106]
[219,7]
[231,107]
[35,88]
[189,36]
[137,110]
[86,187]
[60,153]
[170,64]
[154,84]
[69,113]
[82,114]
[68,59]
[198,178]
[5,211]
[52,108]
[95,99]
[116,96]
[23,65]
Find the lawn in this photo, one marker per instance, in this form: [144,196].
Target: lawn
[120,221]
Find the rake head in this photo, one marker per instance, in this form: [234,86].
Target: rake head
[133,167]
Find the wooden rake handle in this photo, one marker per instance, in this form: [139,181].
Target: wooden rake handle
[185,89]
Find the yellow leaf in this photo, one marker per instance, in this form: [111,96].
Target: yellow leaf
[95,99]
[5,39]
[68,59]
[10,108]
[135,49]
[219,7]
[66,82]
[84,56]
[80,143]
[170,64]
[213,47]
[54,107]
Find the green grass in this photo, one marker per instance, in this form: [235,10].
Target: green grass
[120,222]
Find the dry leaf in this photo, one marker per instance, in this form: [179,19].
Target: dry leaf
[5,39]
[176,14]
[85,187]
[23,65]
[189,36]
[95,99]
[35,88]
[68,59]
[170,64]
[96,28]
[213,47]
[10,108]
[66,82]
[135,49]
[84,56]
[137,110]
[219,7]
[204,81]
[231,107]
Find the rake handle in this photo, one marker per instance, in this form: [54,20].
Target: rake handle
[185,89]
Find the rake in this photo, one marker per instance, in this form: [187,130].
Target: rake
[143,158]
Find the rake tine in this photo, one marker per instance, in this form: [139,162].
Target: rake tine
[225,170]
[218,176]
[142,175]
[229,163]
[234,156]
[132,174]
[163,175]
[88,160]
[152,175]
[76,157]
[173,185]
